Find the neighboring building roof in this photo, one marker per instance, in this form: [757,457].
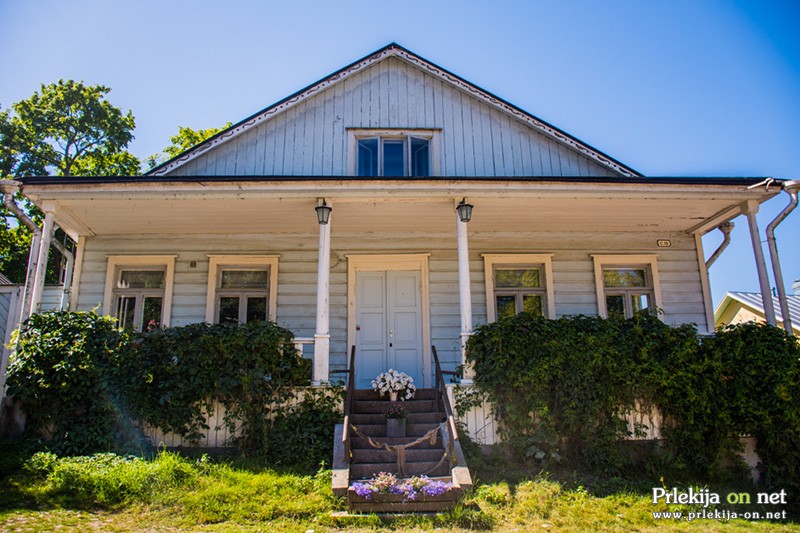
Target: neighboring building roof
[5,281]
[397,51]
[754,302]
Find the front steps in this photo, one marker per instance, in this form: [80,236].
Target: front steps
[424,415]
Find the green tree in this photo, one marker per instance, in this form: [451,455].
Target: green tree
[185,139]
[65,129]
[70,129]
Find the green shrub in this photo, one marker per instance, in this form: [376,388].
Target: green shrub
[59,372]
[173,377]
[560,388]
[301,435]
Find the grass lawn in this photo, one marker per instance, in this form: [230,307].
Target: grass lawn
[172,493]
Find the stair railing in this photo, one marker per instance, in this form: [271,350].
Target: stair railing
[348,402]
[441,395]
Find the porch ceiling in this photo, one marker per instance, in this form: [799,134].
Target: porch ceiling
[125,210]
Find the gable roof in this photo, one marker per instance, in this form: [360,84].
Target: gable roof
[753,300]
[5,281]
[397,51]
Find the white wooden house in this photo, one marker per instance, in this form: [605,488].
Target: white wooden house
[389,146]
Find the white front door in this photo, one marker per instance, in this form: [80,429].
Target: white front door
[388,325]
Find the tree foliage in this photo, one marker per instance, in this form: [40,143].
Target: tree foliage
[65,129]
[185,139]
[68,129]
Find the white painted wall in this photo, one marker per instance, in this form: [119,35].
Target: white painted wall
[311,138]
[573,275]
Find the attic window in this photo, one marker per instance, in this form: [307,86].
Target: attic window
[393,155]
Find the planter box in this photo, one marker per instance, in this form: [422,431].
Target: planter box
[393,503]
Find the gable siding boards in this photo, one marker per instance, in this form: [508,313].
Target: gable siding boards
[310,139]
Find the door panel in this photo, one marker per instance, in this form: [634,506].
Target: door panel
[388,325]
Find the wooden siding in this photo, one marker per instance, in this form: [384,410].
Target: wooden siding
[311,139]
[572,272]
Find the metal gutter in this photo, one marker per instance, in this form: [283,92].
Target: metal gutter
[98,180]
[791,188]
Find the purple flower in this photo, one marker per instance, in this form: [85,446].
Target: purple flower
[365,490]
[436,488]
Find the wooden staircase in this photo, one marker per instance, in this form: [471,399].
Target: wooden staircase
[356,459]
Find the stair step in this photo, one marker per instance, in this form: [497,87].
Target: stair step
[413,455]
[369,394]
[412,419]
[379,406]
[360,443]
[369,470]
[412,430]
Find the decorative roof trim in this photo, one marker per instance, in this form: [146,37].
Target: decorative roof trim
[395,50]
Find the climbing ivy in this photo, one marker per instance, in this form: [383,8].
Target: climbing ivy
[87,385]
[561,388]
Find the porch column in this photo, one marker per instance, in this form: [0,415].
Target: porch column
[41,264]
[30,276]
[322,337]
[465,295]
[750,208]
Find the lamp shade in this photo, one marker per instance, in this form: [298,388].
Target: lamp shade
[323,213]
[464,211]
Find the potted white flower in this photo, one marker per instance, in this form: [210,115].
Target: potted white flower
[398,385]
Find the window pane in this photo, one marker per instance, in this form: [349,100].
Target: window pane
[368,157]
[639,302]
[126,311]
[506,305]
[151,317]
[624,277]
[616,306]
[229,310]
[141,279]
[394,157]
[420,157]
[532,303]
[528,278]
[256,309]
[244,279]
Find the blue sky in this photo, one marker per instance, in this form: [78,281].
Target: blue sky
[679,88]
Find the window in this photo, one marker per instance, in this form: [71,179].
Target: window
[393,152]
[626,285]
[241,289]
[139,298]
[139,290]
[517,283]
[242,296]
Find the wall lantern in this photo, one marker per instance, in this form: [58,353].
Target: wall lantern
[323,212]
[464,211]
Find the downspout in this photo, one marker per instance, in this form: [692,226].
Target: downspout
[9,188]
[791,188]
[726,229]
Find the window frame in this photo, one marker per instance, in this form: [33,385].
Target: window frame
[218,263]
[117,263]
[648,262]
[357,134]
[519,261]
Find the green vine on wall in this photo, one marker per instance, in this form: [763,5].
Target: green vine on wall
[561,389]
[105,382]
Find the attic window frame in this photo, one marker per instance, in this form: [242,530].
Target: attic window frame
[432,135]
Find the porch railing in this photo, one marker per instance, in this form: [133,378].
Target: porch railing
[348,403]
[441,395]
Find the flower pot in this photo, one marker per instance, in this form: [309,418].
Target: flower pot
[393,396]
[395,427]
